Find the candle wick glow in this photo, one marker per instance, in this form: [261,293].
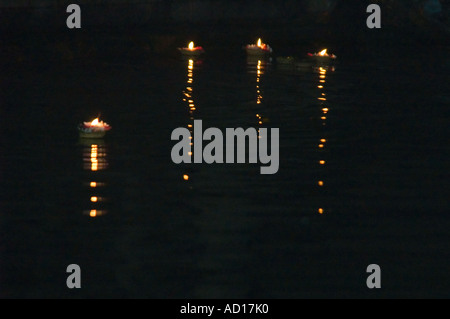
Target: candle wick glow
[323,52]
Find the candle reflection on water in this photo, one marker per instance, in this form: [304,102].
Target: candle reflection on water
[188,94]
[94,157]
[258,65]
[325,109]
[188,98]
[259,72]
[95,161]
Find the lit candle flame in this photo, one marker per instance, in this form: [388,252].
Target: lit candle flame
[191,45]
[323,52]
[259,43]
[96,124]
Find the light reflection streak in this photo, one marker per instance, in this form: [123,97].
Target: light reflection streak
[258,66]
[188,92]
[189,101]
[95,161]
[323,72]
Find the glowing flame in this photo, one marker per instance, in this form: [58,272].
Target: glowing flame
[323,52]
[96,124]
[259,43]
[191,45]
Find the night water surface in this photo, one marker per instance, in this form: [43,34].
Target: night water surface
[363,179]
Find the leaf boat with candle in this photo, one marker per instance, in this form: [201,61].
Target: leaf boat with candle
[94,129]
[323,56]
[192,50]
[258,49]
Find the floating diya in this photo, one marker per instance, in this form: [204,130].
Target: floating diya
[258,49]
[192,50]
[94,129]
[323,56]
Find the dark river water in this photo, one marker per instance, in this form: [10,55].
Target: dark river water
[363,179]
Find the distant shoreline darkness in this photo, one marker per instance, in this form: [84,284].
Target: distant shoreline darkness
[143,12]
[284,20]
[310,5]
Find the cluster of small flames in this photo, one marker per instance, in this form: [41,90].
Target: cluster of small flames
[263,46]
[98,124]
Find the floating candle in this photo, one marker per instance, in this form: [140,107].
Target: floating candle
[258,49]
[94,129]
[322,55]
[98,124]
[192,50]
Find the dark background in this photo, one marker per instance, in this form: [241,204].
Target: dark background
[229,232]
[35,31]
